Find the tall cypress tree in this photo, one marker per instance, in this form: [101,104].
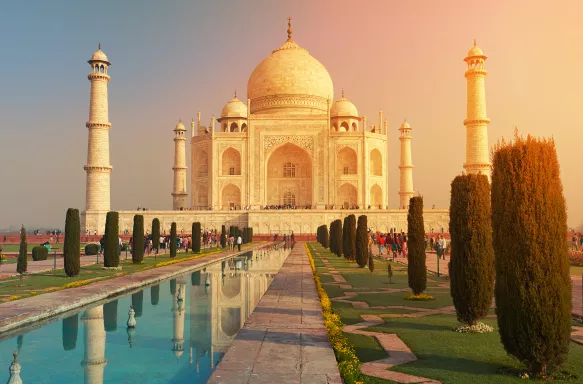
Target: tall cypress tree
[223,236]
[173,240]
[196,237]
[339,238]
[325,236]
[72,246]
[529,222]
[362,241]
[138,251]
[111,251]
[332,242]
[416,268]
[346,238]
[156,234]
[471,269]
[22,262]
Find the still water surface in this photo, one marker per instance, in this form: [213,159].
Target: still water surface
[184,327]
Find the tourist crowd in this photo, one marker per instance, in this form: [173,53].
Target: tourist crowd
[395,244]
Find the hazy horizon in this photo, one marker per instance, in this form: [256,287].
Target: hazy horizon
[170,60]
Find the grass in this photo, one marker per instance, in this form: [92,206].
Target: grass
[33,284]
[577,271]
[16,247]
[444,355]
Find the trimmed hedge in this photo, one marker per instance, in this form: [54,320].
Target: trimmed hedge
[138,235]
[416,268]
[92,249]
[362,241]
[196,235]
[40,252]
[22,262]
[471,269]
[223,237]
[156,234]
[529,222]
[111,251]
[173,240]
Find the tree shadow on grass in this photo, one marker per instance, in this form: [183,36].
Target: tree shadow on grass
[393,327]
[454,364]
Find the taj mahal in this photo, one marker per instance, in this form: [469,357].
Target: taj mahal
[287,158]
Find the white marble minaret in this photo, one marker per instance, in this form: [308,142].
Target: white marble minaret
[98,169]
[406,167]
[94,358]
[179,194]
[477,150]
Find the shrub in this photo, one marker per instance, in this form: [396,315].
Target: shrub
[70,332]
[22,262]
[196,237]
[92,249]
[138,234]
[370,263]
[529,222]
[71,248]
[40,252]
[471,269]
[362,241]
[110,316]
[156,234]
[325,236]
[173,240]
[223,237]
[111,251]
[416,269]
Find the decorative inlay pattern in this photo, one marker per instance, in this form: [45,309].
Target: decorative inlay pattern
[305,142]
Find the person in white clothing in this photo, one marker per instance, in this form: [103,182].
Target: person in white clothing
[239,242]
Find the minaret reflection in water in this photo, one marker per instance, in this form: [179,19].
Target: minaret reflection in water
[94,360]
[178,312]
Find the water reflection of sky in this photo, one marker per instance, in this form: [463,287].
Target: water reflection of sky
[175,341]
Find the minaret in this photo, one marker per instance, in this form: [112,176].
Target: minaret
[477,153]
[406,166]
[179,192]
[94,359]
[98,168]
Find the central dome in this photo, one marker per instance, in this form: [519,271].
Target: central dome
[290,80]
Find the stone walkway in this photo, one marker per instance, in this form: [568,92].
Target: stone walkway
[9,270]
[284,341]
[39,310]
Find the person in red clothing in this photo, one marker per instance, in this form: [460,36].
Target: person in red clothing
[382,240]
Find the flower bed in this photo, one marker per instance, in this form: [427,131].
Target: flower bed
[348,363]
[576,258]
[420,297]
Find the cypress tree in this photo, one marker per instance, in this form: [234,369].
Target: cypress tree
[22,262]
[155,295]
[471,269]
[138,302]
[72,245]
[416,269]
[332,238]
[110,316]
[231,230]
[111,251]
[70,332]
[346,239]
[352,237]
[362,242]
[371,264]
[339,238]
[138,251]
[196,237]
[529,222]
[325,236]
[250,234]
[223,237]
[173,240]
[156,234]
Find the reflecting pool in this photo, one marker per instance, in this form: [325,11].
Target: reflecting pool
[184,327]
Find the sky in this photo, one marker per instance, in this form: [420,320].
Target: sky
[171,59]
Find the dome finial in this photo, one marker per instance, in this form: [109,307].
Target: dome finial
[289,29]
[235,93]
[475,42]
[99,45]
[342,92]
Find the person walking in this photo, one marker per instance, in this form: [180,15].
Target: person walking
[239,241]
[382,240]
[442,244]
[404,246]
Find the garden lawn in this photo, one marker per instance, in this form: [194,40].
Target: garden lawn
[442,354]
[11,288]
[16,247]
[577,271]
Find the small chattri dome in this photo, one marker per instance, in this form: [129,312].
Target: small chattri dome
[234,108]
[405,125]
[180,126]
[343,107]
[99,55]
[475,51]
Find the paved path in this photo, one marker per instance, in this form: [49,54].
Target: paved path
[7,270]
[577,295]
[39,310]
[284,341]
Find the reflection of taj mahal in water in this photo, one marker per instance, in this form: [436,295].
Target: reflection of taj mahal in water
[287,144]
[216,301]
